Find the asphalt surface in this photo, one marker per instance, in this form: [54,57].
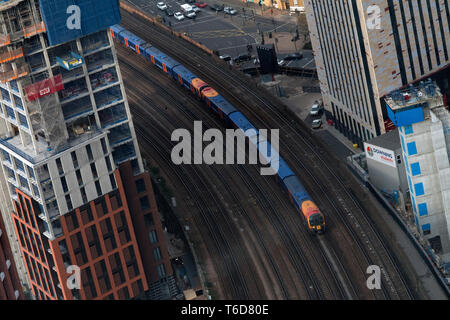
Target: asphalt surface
[222,32]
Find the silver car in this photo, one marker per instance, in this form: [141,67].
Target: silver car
[229,10]
[316,124]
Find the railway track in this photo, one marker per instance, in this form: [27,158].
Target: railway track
[303,268]
[342,206]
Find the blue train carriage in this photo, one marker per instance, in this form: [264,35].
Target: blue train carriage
[115,30]
[161,60]
[183,76]
[220,105]
[314,218]
[209,93]
[133,42]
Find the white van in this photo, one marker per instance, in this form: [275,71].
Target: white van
[187,10]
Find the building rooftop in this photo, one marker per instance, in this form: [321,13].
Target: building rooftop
[390,140]
[425,93]
[15,145]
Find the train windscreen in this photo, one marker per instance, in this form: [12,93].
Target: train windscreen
[316,220]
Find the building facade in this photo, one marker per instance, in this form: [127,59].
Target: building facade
[424,127]
[65,132]
[366,49]
[10,286]
[386,167]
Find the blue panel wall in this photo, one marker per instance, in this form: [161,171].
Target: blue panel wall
[412,148]
[418,187]
[415,169]
[423,210]
[95,15]
[407,116]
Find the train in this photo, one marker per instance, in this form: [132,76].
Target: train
[313,217]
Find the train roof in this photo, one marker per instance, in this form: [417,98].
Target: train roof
[133,38]
[186,74]
[209,93]
[296,189]
[284,170]
[276,161]
[117,28]
[197,83]
[223,104]
[167,60]
[242,122]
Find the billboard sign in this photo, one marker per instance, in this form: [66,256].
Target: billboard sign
[44,88]
[379,154]
[66,20]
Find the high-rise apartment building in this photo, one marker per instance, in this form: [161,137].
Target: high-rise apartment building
[424,128]
[10,286]
[70,158]
[366,49]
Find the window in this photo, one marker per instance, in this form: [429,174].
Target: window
[113,181]
[148,218]
[161,271]
[423,210]
[418,187]
[83,195]
[69,203]
[415,169]
[426,228]
[89,152]
[94,170]
[145,205]
[140,185]
[64,184]
[79,178]
[105,149]
[412,148]
[99,188]
[153,236]
[408,129]
[59,165]
[108,164]
[157,254]
[74,159]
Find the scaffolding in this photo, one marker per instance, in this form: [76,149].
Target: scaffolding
[45,110]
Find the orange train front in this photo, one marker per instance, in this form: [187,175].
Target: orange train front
[298,195]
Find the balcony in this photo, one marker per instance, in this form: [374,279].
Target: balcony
[33,30]
[13,74]
[5,40]
[11,55]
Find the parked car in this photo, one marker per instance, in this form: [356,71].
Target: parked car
[161,6]
[290,57]
[229,10]
[316,124]
[195,9]
[179,16]
[200,4]
[169,12]
[242,57]
[225,57]
[216,7]
[187,11]
[316,108]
